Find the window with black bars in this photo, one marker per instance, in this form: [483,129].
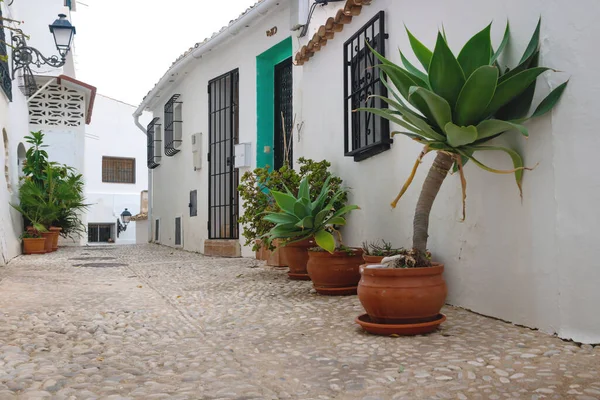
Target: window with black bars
[5,80]
[173,126]
[365,134]
[178,231]
[194,203]
[154,139]
[118,170]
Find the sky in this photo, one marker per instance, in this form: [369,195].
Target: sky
[123,47]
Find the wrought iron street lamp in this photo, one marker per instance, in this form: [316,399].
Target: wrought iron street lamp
[123,222]
[25,56]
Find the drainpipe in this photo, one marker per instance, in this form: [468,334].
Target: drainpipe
[136,119]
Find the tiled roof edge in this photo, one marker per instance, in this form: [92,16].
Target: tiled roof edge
[326,32]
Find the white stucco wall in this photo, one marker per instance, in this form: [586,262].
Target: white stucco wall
[112,133]
[14,115]
[531,262]
[175,177]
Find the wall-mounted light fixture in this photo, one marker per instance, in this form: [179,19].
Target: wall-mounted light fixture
[123,222]
[310,13]
[25,56]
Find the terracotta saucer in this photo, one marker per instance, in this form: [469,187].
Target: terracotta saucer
[399,329]
[339,291]
[298,277]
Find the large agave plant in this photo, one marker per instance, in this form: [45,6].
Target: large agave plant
[455,105]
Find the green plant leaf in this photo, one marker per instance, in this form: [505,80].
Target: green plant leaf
[492,127]
[420,123]
[300,209]
[337,221]
[550,101]
[528,63]
[387,114]
[325,240]
[320,218]
[345,210]
[534,43]
[460,135]
[306,223]
[400,78]
[518,107]
[431,104]
[284,201]
[280,218]
[503,44]
[511,88]
[285,231]
[417,75]
[422,53]
[476,52]
[476,95]
[303,190]
[446,77]
[515,157]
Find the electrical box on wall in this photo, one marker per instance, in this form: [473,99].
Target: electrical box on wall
[242,155]
[196,151]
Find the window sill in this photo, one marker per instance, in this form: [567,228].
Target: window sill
[368,152]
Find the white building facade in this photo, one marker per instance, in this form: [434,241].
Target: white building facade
[115,171]
[50,99]
[530,262]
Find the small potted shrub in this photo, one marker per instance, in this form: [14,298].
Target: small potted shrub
[33,242]
[457,105]
[333,270]
[375,252]
[256,191]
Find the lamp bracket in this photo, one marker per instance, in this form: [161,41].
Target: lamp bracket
[25,56]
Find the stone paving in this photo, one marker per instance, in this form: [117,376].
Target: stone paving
[149,322]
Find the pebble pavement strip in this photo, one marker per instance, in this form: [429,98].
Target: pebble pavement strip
[150,322]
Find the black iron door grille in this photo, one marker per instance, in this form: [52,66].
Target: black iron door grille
[365,134]
[284,114]
[223,127]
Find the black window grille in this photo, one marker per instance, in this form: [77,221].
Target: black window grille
[173,127]
[365,134]
[154,139]
[5,80]
[157,230]
[194,203]
[178,231]
[284,114]
[99,233]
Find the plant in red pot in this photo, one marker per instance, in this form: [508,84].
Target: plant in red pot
[454,106]
[333,270]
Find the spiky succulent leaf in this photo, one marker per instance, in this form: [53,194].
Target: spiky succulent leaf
[503,44]
[325,240]
[446,77]
[476,95]
[460,135]
[422,53]
[550,101]
[417,75]
[432,104]
[491,127]
[476,52]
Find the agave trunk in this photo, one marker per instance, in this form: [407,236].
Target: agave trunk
[437,173]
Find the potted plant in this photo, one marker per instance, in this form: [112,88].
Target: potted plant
[457,105]
[375,252]
[33,242]
[333,270]
[255,190]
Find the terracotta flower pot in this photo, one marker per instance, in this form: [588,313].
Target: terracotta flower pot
[370,260]
[273,258]
[49,236]
[295,256]
[34,245]
[335,274]
[403,295]
[56,232]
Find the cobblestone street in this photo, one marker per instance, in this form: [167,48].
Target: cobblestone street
[149,322]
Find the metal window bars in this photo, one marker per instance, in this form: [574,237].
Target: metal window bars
[153,144]
[172,127]
[5,80]
[365,134]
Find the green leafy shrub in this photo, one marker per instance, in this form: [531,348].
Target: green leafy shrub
[256,187]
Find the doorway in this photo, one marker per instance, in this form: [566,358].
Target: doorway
[284,115]
[223,129]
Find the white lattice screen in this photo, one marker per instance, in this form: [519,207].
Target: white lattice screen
[57,106]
